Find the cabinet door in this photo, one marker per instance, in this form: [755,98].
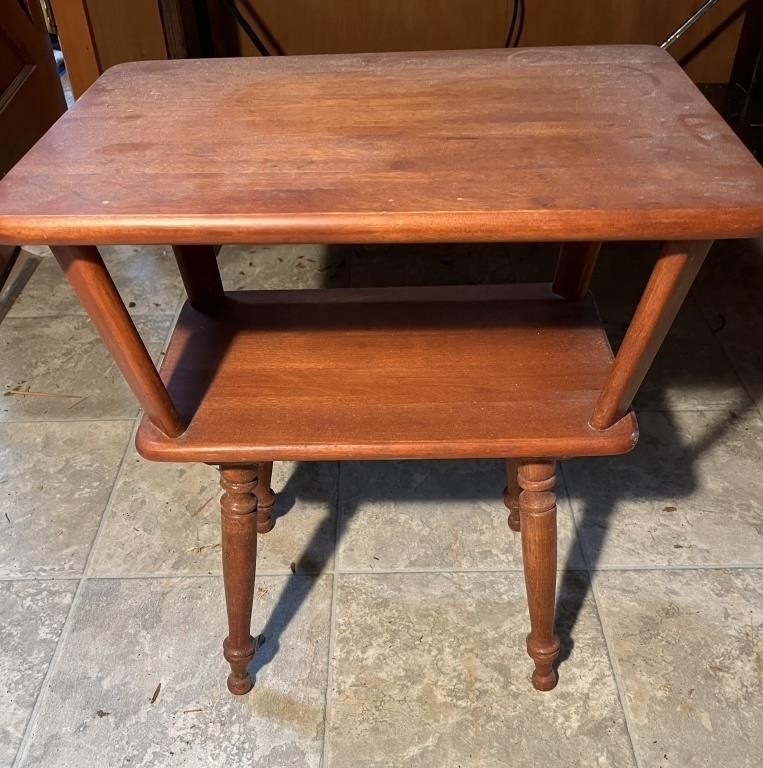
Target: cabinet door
[31,97]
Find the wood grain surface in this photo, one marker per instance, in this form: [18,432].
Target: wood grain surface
[578,143]
[443,372]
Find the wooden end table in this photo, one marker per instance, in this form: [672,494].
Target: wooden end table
[576,145]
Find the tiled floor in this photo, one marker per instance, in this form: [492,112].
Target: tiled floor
[398,640]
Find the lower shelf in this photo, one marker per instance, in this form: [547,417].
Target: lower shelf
[445,372]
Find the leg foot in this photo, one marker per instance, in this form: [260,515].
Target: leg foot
[537,509]
[265,497]
[239,680]
[511,494]
[239,546]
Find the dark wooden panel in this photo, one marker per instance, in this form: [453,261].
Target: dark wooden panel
[342,26]
[31,97]
[77,44]
[126,30]
[96,34]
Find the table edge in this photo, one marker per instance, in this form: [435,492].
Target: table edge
[385,227]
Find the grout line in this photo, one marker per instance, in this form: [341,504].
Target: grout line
[25,736]
[205,575]
[332,624]
[55,659]
[49,577]
[274,574]
[73,420]
[616,677]
[84,315]
[434,571]
[677,567]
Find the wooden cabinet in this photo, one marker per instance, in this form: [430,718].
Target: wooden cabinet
[31,97]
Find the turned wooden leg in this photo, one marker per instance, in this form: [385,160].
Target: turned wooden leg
[537,511]
[265,497]
[239,545]
[511,494]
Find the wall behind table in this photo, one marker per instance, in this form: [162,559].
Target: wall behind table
[98,33]
[325,26]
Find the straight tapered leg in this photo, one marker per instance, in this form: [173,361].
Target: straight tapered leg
[537,510]
[574,269]
[239,545]
[265,497]
[201,277]
[511,494]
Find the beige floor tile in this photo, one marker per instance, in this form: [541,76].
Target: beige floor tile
[129,636]
[686,645]
[691,493]
[55,480]
[165,519]
[38,250]
[64,361]
[728,290]
[431,670]
[146,276]
[283,266]
[33,613]
[440,515]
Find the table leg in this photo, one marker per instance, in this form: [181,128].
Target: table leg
[265,497]
[574,269]
[668,286]
[239,545]
[88,276]
[537,509]
[201,277]
[511,494]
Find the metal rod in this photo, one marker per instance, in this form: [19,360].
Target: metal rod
[246,26]
[689,23]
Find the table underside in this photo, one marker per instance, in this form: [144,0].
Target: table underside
[433,372]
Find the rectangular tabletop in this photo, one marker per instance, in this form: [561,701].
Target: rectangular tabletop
[526,144]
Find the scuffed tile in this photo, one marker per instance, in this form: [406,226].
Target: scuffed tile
[250,267]
[129,636]
[165,519]
[64,361]
[433,514]
[691,493]
[431,670]
[728,290]
[33,613]
[55,480]
[686,645]
[146,277]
